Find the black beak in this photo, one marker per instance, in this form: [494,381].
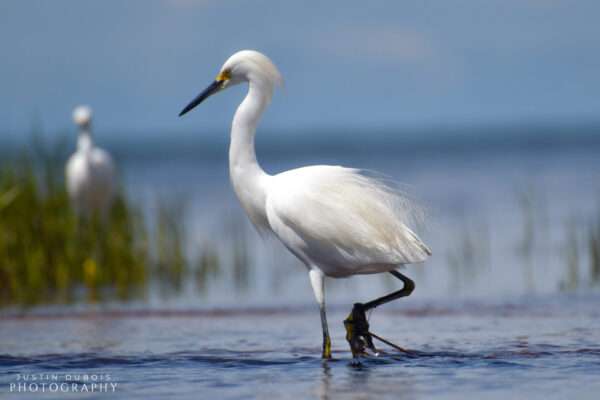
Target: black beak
[212,89]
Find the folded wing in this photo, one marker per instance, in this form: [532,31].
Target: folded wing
[343,218]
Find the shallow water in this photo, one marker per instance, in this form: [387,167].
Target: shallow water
[537,347]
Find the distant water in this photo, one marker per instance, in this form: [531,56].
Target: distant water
[534,348]
[510,209]
[508,212]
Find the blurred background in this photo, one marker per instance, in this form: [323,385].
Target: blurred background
[486,112]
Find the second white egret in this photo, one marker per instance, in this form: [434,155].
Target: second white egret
[90,171]
[338,221]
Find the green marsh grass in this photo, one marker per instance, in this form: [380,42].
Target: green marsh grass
[48,255]
[593,241]
[171,265]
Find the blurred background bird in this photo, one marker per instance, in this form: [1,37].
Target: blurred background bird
[90,172]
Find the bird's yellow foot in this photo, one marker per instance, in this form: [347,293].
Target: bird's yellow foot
[357,331]
[326,348]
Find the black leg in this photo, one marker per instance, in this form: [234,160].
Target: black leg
[408,288]
[357,326]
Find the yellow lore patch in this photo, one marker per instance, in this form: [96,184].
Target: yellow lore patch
[223,76]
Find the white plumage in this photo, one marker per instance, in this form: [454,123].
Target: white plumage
[342,221]
[337,221]
[90,171]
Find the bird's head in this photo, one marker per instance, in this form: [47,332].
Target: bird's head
[243,66]
[82,116]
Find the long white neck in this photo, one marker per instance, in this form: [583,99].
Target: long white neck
[84,140]
[247,177]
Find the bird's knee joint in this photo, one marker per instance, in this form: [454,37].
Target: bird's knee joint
[409,287]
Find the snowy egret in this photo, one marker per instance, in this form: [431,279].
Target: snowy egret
[90,172]
[338,221]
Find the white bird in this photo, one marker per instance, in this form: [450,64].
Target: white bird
[90,172]
[338,221]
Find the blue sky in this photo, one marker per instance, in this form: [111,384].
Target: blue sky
[346,64]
